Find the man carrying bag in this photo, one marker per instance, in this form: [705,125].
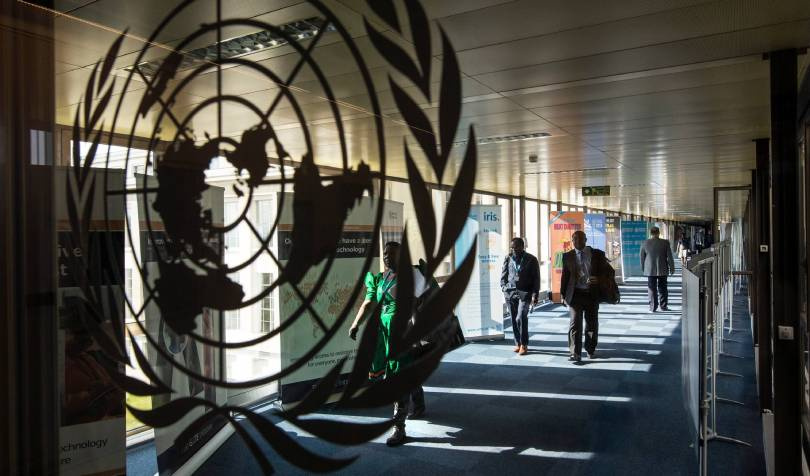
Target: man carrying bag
[587,280]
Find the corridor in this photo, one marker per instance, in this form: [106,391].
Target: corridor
[491,411]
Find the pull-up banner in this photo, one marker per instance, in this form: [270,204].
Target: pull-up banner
[595,230]
[633,235]
[92,434]
[179,351]
[613,247]
[480,309]
[561,226]
[333,296]
[692,370]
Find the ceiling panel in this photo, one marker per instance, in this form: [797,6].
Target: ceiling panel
[659,99]
[706,20]
[700,50]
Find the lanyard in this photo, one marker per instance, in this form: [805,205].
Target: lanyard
[517,265]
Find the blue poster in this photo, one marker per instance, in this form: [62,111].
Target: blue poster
[634,233]
[595,228]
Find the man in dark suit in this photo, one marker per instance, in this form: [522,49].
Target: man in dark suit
[520,283]
[579,287]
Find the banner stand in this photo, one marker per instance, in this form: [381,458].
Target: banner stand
[481,309]
[706,285]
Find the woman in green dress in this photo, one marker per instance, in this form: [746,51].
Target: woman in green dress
[382,288]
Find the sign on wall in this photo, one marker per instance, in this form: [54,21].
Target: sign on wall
[480,310]
[634,233]
[561,226]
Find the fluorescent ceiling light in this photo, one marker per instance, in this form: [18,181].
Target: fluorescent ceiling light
[595,169]
[510,138]
[242,45]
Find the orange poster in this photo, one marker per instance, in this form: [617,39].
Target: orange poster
[561,226]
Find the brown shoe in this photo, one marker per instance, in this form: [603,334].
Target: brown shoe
[523,350]
[516,349]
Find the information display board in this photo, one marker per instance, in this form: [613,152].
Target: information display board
[92,434]
[613,247]
[595,230]
[634,233]
[481,308]
[183,351]
[561,226]
[345,271]
[692,352]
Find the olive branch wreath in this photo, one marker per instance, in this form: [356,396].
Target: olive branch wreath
[431,319]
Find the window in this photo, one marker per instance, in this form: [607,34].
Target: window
[265,215]
[483,199]
[232,320]
[231,214]
[128,291]
[545,243]
[440,198]
[506,224]
[267,312]
[400,192]
[531,228]
[517,214]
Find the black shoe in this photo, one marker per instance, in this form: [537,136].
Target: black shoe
[592,354]
[664,308]
[575,358]
[397,437]
[416,412]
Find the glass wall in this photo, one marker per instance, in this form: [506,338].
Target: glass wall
[532,226]
[517,217]
[545,247]
[506,224]
[440,199]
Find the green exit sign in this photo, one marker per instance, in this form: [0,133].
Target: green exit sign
[599,191]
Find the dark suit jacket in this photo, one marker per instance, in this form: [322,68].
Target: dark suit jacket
[526,282]
[569,273]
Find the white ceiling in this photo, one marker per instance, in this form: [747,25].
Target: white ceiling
[661,97]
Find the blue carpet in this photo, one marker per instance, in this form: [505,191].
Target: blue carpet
[735,421]
[491,411]
[142,460]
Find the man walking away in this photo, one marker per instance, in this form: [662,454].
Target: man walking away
[579,287]
[520,283]
[656,261]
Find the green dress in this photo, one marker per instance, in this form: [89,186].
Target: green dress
[378,289]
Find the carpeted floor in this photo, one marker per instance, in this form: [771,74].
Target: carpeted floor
[741,422]
[491,411]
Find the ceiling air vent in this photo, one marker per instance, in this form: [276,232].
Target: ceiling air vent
[243,45]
